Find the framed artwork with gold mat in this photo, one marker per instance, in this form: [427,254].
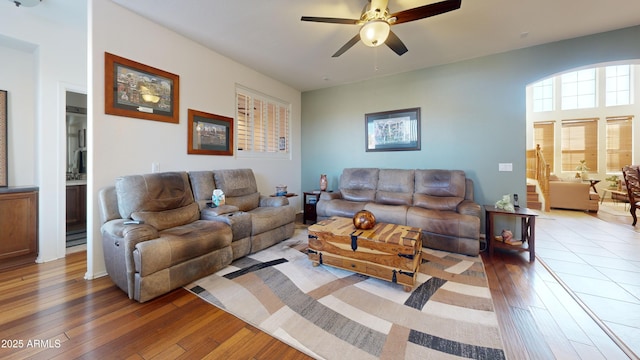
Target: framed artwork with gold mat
[140,91]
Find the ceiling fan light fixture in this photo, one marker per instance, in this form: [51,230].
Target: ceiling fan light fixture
[375,32]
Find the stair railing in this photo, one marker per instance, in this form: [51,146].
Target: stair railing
[539,169]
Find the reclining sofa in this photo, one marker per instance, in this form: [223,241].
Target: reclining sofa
[440,202]
[156,237]
[256,221]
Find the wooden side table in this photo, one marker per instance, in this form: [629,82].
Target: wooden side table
[528,228]
[310,200]
[593,183]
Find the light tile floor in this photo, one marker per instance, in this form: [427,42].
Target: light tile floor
[599,261]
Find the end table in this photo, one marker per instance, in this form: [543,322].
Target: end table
[310,200]
[528,228]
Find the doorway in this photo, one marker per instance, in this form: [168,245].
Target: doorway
[76,169]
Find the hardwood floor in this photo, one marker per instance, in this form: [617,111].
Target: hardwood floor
[50,312]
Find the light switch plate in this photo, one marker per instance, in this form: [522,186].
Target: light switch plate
[505,167]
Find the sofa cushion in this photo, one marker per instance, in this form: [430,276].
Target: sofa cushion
[180,244]
[359,184]
[395,187]
[339,207]
[391,214]
[153,192]
[202,186]
[437,202]
[441,182]
[448,223]
[264,219]
[239,187]
[162,220]
[244,203]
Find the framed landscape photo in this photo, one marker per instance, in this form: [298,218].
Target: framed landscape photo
[397,130]
[4,165]
[209,134]
[139,91]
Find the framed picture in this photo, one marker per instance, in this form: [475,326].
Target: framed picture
[209,134]
[397,130]
[4,164]
[140,91]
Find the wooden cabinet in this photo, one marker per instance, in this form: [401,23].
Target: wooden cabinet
[76,207]
[18,226]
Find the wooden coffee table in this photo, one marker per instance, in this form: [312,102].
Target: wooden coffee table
[387,251]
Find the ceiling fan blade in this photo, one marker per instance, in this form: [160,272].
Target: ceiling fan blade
[426,11]
[347,46]
[330,20]
[395,44]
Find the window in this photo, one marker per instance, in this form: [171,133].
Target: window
[543,135]
[619,130]
[543,95]
[618,85]
[580,142]
[579,89]
[263,124]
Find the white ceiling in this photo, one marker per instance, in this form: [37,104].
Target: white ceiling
[268,35]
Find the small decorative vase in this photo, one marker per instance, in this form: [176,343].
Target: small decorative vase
[323,182]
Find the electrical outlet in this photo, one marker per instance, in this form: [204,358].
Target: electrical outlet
[155,167]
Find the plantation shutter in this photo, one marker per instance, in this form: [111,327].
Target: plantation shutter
[244,122]
[263,124]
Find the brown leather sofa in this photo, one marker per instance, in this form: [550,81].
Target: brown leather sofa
[440,202]
[257,221]
[178,239]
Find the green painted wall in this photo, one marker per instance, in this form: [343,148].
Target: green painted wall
[473,113]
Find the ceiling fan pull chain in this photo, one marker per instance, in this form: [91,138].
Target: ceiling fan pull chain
[375,59]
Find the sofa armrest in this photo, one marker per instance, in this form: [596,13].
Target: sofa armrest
[273,201]
[468,207]
[130,232]
[208,212]
[119,242]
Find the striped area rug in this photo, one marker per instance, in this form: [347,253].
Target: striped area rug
[330,313]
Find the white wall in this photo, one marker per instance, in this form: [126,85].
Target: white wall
[17,67]
[121,145]
[52,38]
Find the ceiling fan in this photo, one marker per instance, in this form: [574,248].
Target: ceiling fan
[376,22]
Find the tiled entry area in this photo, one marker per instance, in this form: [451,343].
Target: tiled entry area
[599,261]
